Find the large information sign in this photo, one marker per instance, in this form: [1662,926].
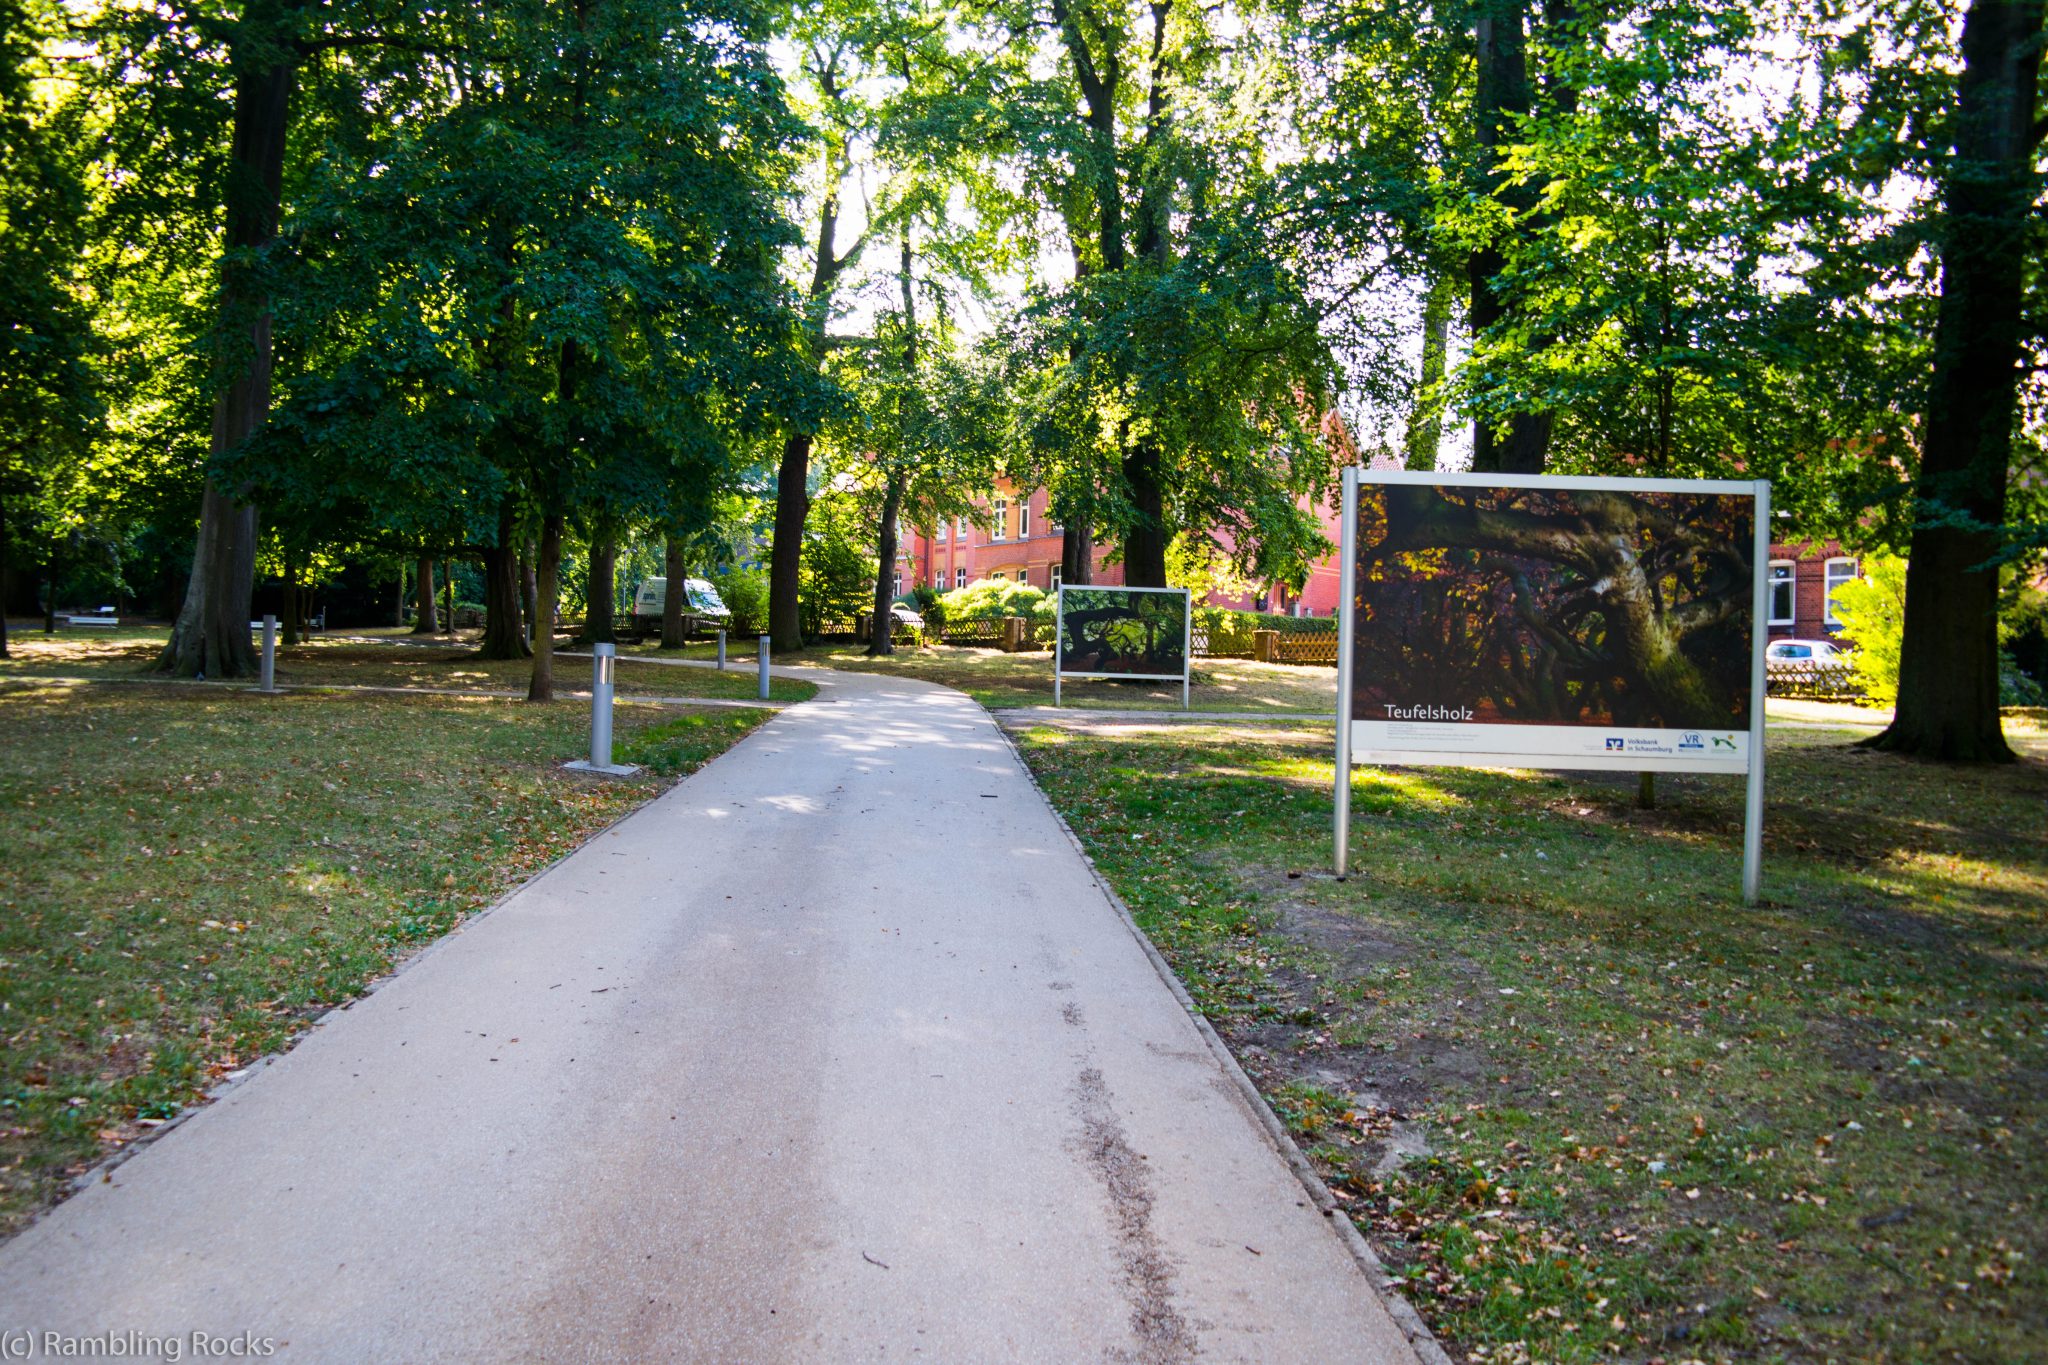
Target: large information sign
[1531,622]
[1122,633]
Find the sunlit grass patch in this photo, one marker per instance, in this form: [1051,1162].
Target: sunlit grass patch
[193,874]
[1661,1124]
[338,662]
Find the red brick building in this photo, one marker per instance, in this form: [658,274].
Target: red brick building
[1020,542]
[1804,576]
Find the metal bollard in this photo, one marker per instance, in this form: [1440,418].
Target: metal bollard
[269,654]
[721,649]
[603,660]
[764,668]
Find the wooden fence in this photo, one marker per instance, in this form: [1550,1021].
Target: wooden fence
[972,633]
[1825,679]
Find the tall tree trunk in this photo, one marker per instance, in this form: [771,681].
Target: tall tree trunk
[547,594]
[1077,553]
[291,623]
[599,600]
[50,593]
[1948,665]
[448,594]
[6,580]
[427,619]
[792,478]
[528,590]
[1145,542]
[211,636]
[785,563]
[673,568]
[883,623]
[1502,93]
[1425,417]
[504,637]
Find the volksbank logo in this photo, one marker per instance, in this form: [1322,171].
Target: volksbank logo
[1616,742]
[1427,712]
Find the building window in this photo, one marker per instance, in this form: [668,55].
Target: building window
[1782,613]
[897,591]
[960,577]
[1002,515]
[1023,575]
[999,575]
[1052,577]
[943,529]
[1023,521]
[962,527]
[1839,571]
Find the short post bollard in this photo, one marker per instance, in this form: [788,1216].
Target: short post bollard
[764,668]
[721,649]
[603,660]
[269,654]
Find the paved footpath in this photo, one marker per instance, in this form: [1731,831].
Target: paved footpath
[836,1052]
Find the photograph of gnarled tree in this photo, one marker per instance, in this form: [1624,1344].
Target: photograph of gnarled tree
[1123,631]
[1546,606]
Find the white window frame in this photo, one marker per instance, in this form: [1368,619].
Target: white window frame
[960,577]
[1024,575]
[1791,582]
[897,591]
[1829,583]
[1024,521]
[945,528]
[1001,532]
[999,575]
[1054,574]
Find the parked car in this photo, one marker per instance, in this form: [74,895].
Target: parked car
[1804,651]
[1809,668]
[700,600]
[902,614]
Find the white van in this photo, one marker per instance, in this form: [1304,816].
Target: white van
[700,600]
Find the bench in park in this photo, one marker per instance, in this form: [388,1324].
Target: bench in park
[316,622]
[106,618]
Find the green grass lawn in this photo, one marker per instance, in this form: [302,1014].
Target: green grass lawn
[343,662]
[193,874]
[1657,1125]
[1001,681]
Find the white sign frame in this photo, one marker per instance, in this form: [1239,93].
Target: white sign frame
[1187,636]
[1530,753]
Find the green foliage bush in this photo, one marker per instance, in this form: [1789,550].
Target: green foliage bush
[837,575]
[746,596]
[991,599]
[1873,614]
[2023,633]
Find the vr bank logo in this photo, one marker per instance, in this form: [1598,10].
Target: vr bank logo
[1614,742]
[1690,740]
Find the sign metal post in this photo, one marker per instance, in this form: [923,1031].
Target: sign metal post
[1346,633]
[603,662]
[1753,805]
[269,654]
